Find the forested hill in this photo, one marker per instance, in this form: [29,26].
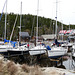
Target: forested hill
[46,25]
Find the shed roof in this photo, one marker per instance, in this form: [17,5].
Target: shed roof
[52,36]
[24,34]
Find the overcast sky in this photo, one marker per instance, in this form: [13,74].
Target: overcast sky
[47,8]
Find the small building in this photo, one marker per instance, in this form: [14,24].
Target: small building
[48,37]
[24,36]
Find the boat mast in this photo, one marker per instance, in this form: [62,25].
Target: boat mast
[56,20]
[13,27]
[69,26]
[62,30]
[37,21]
[20,22]
[5,20]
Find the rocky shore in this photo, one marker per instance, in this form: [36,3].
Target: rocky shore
[8,67]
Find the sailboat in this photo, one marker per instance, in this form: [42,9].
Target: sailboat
[10,44]
[40,48]
[4,47]
[20,49]
[55,51]
[68,43]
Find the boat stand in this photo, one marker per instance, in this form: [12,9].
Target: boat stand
[54,62]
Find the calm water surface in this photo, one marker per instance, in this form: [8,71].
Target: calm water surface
[69,63]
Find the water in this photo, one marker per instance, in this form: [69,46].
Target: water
[69,63]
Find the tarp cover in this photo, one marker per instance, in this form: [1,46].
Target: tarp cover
[12,42]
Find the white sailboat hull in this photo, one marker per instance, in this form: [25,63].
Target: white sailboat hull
[37,50]
[56,52]
[4,48]
[19,50]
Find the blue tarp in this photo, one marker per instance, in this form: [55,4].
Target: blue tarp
[13,43]
[48,47]
[7,41]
